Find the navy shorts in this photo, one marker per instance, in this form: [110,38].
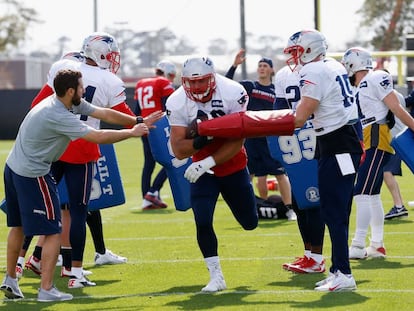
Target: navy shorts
[32,203]
[371,172]
[393,165]
[260,162]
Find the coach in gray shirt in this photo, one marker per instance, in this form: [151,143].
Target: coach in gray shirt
[32,201]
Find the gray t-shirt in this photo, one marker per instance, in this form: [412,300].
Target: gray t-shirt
[44,135]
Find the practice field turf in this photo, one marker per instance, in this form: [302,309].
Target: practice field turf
[165,269]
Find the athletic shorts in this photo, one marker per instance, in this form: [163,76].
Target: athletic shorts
[260,162]
[393,165]
[32,203]
[371,173]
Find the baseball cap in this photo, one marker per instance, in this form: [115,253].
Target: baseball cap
[267,61]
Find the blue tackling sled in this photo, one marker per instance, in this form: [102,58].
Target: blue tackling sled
[159,139]
[296,154]
[403,146]
[107,188]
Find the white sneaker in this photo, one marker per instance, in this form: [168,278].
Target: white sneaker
[216,284]
[109,258]
[291,215]
[339,282]
[356,252]
[52,294]
[75,282]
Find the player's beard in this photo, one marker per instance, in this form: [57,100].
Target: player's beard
[76,100]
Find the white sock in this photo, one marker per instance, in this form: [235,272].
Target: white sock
[213,266]
[77,272]
[377,219]
[307,253]
[317,257]
[20,261]
[363,217]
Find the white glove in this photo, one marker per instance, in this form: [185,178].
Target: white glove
[196,169]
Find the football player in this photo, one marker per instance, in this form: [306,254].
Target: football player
[326,94]
[310,224]
[375,97]
[219,164]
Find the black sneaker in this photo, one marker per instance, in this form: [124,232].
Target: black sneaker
[396,212]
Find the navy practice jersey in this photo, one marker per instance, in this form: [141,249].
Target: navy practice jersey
[261,97]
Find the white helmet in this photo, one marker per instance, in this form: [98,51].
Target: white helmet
[103,50]
[167,67]
[305,46]
[356,59]
[198,79]
[74,55]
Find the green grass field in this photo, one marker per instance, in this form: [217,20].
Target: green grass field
[165,269]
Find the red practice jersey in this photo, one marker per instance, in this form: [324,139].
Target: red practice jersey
[151,94]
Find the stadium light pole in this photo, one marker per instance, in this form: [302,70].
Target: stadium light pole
[317,8]
[95,15]
[243,38]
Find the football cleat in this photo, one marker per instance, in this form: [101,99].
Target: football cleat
[150,207]
[216,284]
[308,266]
[291,215]
[68,273]
[33,264]
[109,258]
[155,200]
[19,271]
[75,282]
[356,252]
[338,283]
[298,261]
[374,252]
[328,279]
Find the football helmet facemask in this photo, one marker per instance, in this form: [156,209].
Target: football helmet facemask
[356,59]
[198,79]
[103,50]
[305,46]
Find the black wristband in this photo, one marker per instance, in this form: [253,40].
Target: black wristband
[200,141]
[140,120]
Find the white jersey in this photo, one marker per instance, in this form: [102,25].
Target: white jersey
[229,97]
[102,87]
[287,86]
[327,81]
[370,92]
